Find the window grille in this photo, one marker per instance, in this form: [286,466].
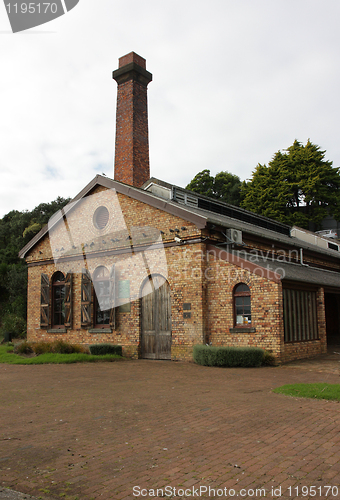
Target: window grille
[300,315]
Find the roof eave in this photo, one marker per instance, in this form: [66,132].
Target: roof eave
[125,189]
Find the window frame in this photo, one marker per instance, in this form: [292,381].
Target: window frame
[55,285]
[96,307]
[101,218]
[245,293]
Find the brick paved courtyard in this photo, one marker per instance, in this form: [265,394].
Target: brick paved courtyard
[95,431]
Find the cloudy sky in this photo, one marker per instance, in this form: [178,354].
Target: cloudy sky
[234,81]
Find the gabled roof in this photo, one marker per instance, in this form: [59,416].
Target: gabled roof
[218,206]
[136,193]
[198,216]
[243,220]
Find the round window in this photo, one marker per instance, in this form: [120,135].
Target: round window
[101,217]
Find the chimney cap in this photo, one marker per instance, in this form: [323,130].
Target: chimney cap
[132,57]
[132,67]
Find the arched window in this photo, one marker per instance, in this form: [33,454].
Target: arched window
[58,300]
[242,305]
[101,283]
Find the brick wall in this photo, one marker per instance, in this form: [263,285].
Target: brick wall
[132,136]
[184,277]
[266,307]
[181,264]
[201,285]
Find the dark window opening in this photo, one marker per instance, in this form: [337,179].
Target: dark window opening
[102,309]
[300,315]
[58,299]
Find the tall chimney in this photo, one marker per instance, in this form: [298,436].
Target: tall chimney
[132,136]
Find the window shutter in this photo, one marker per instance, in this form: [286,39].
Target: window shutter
[45,302]
[113,312]
[68,300]
[86,298]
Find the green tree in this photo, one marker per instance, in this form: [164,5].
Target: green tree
[298,187]
[224,186]
[16,229]
[202,183]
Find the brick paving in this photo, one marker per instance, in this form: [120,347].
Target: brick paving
[95,431]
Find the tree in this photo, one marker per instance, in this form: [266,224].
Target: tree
[299,187]
[224,186]
[16,229]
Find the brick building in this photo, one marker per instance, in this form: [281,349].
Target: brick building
[156,268]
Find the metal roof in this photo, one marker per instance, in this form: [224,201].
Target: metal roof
[197,216]
[239,222]
[296,272]
[251,229]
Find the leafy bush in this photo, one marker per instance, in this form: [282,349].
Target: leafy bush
[269,359]
[62,347]
[23,348]
[14,324]
[57,347]
[42,347]
[101,349]
[228,356]
[31,230]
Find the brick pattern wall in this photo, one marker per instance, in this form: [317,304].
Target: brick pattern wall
[266,307]
[196,278]
[181,264]
[132,136]
[132,57]
[185,278]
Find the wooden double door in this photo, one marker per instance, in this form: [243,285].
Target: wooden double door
[156,319]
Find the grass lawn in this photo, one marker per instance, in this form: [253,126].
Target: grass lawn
[314,391]
[15,359]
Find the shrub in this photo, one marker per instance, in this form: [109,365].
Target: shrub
[62,347]
[14,324]
[269,359]
[42,347]
[228,356]
[101,349]
[23,348]
[57,347]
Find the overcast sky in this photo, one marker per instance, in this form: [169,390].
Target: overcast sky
[234,81]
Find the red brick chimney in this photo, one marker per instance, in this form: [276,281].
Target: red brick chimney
[132,136]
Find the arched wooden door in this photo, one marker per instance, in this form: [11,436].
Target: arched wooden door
[156,319]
